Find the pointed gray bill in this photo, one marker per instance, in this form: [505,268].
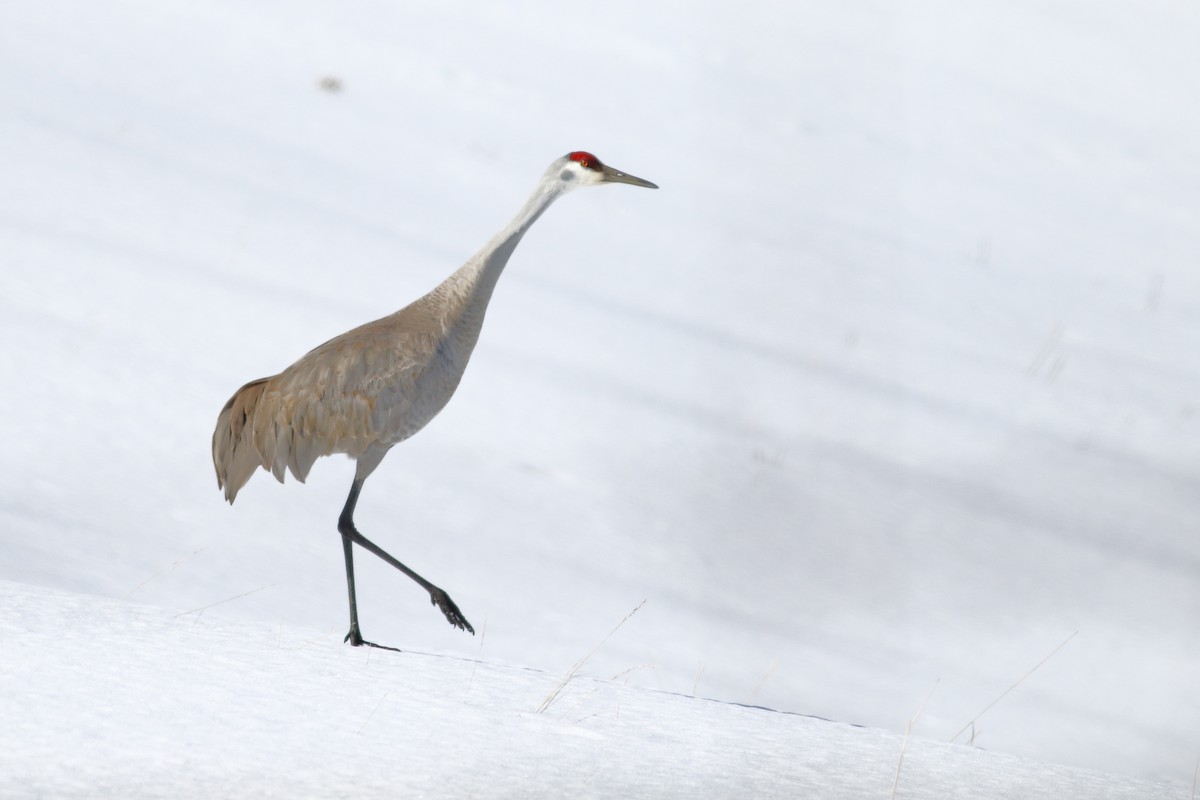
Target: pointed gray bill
[616,176]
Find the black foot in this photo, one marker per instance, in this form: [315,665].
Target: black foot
[355,638]
[442,600]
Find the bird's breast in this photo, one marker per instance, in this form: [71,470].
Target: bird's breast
[426,390]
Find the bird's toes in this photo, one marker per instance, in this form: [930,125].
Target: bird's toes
[453,615]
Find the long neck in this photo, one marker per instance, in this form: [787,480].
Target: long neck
[484,268]
[464,296]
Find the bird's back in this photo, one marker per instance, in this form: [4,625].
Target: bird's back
[375,385]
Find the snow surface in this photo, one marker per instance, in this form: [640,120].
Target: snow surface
[892,386]
[140,702]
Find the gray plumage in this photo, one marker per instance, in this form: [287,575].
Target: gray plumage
[374,386]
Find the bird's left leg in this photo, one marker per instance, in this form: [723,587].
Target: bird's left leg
[437,596]
[345,527]
[354,637]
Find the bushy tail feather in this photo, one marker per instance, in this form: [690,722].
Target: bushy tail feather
[235,455]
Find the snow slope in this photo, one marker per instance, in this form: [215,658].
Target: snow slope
[893,384]
[143,703]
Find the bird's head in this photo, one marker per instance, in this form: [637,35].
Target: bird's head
[581,168]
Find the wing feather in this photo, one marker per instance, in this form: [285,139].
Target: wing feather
[341,397]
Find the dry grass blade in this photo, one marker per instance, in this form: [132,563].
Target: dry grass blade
[226,600]
[167,568]
[553,696]
[1008,691]
[908,731]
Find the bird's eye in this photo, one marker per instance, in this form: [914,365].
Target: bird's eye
[585,159]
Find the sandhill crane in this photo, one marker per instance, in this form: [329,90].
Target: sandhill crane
[378,384]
